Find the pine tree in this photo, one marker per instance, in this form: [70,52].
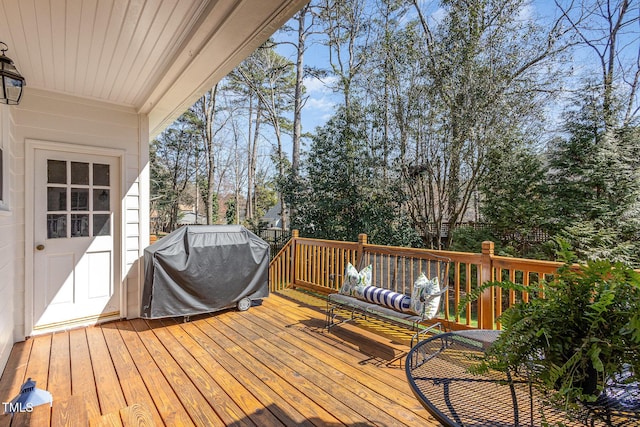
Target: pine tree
[339,195]
[595,185]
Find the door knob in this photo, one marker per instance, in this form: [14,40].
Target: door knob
[40,247]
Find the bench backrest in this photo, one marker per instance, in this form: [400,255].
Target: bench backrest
[397,271]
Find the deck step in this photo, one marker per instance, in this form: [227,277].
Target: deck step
[71,411]
[108,420]
[136,415]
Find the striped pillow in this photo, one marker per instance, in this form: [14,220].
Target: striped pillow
[387,298]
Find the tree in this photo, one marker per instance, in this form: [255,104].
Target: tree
[486,74]
[231,215]
[595,167]
[609,30]
[239,174]
[172,169]
[339,196]
[514,201]
[270,79]
[245,98]
[346,25]
[336,175]
[303,31]
[595,184]
[266,198]
[203,117]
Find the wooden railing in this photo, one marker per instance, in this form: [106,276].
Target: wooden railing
[281,267]
[318,265]
[321,263]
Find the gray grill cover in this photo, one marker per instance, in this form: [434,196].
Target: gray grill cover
[203,268]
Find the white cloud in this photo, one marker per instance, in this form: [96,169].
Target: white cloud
[320,104]
[316,85]
[317,111]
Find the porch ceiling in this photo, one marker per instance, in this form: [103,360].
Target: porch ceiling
[157,56]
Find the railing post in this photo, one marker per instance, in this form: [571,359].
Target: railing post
[362,240]
[294,235]
[486,302]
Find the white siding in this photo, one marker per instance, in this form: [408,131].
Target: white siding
[7,287]
[47,116]
[10,253]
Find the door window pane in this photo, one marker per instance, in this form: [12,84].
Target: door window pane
[56,226]
[102,225]
[100,174]
[80,173]
[56,199]
[79,225]
[76,190]
[56,172]
[79,199]
[100,200]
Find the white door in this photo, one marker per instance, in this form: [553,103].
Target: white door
[76,217]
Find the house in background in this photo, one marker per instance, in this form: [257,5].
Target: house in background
[103,78]
[273,217]
[189,217]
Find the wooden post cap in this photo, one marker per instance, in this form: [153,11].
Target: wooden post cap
[487,248]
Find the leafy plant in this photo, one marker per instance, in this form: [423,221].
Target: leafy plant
[575,333]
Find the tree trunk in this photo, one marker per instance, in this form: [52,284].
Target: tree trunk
[297,109]
[283,213]
[253,162]
[211,165]
[249,206]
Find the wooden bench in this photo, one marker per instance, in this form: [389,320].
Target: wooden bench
[396,271]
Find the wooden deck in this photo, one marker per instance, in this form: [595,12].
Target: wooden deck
[273,365]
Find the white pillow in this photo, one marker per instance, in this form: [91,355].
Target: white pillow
[421,303]
[354,281]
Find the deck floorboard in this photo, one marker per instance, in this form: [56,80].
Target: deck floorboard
[273,365]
